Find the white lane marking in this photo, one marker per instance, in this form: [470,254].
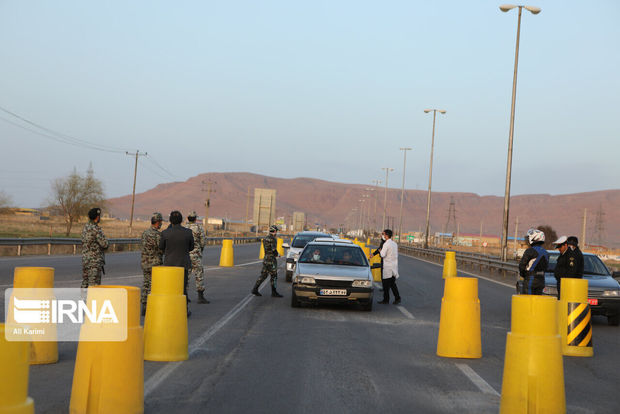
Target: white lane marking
[405,312]
[164,372]
[477,379]
[462,271]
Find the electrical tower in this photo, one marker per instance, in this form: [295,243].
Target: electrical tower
[599,226]
[451,216]
[207,187]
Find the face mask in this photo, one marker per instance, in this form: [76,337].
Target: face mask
[383,238]
[316,257]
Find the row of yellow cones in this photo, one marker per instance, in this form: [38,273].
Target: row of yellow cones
[108,376]
[543,329]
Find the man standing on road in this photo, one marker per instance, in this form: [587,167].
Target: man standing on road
[94,243]
[151,254]
[533,264]
[566,265]
[270,263]
[389,253]
[176,243]
[573,245]
[195,256]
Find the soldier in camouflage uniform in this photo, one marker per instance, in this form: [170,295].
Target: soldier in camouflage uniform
[151,254]
[270,263]
[94,243]
[195,256]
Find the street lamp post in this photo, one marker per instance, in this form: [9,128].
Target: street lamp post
[430,176]
[387,170]
[402,193]
[376,183]
[533,10]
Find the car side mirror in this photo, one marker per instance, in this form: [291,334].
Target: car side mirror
[616,275]
[286,245]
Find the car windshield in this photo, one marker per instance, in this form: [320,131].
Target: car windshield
[592,265]
[301,240]
[338,255]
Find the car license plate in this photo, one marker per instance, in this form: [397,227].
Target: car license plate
[593,302]
[333,292]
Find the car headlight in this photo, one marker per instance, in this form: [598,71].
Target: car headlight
[611,293]
[361,283]
[550,290]
[304,280]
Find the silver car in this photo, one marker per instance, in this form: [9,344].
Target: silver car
[332,271]
[294,249]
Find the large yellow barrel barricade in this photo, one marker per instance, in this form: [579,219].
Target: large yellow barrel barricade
[227,257]
[280,247]
[109,375]
[459,324]
[165,323]
[533,379]
[449,265]
[14,361]
[45,350]
[575,318]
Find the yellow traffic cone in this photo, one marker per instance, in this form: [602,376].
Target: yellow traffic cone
[368,241]
[279,247]
[109,375]
[44,350]
[533,380]
[575,318]
[227,257]
[261,254]
[459,323]
[449,265]
[165,323]
[14,358]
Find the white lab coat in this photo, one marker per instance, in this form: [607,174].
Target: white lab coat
[389,253]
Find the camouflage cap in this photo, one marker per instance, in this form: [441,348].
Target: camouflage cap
[192,214]
[157,217]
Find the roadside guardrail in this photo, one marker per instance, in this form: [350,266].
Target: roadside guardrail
[19,243]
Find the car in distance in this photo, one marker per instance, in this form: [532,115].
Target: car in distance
[603,289]
[332,271]
[297,245]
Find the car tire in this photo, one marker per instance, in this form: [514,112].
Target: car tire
[289,276]
[367,306]
[294,302]
[613,320]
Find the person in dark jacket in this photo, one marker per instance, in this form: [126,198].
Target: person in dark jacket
[176,243]
[533,264]
[573,244]
[566,266]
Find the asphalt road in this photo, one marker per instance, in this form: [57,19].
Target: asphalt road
[257,354]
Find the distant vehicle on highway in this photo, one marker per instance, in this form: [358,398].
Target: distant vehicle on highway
[603,289]
[332,271]
[297,245]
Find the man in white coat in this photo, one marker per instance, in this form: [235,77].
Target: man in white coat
[389,253]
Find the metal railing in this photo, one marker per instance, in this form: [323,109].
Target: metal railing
[75,242]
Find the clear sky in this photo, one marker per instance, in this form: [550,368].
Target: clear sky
[321,89]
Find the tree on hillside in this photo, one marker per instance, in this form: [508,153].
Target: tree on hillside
[5,201]
[75,194]
[550,236]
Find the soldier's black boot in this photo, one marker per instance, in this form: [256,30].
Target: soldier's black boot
[201,297]
[255,291]
[275,294]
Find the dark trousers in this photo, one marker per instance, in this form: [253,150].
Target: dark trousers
[387,285]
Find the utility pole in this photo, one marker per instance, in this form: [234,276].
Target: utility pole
[376,183]
[387,170]
[133,193]
[402,194]
[583,228]
[209,183]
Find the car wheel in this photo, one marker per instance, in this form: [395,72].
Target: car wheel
[289,276]
[294,302]
[367,306]
[613,320]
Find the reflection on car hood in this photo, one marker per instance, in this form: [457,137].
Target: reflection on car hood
[594,281]
[334,271]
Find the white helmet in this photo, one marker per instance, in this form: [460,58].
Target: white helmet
[535,236]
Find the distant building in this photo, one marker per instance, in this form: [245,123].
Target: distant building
[264,207]
[299,221]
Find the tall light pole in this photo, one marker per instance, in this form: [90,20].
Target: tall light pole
[376,183]
[533,10]
[133,193]
[402,193]
[387,170]
[430,176]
